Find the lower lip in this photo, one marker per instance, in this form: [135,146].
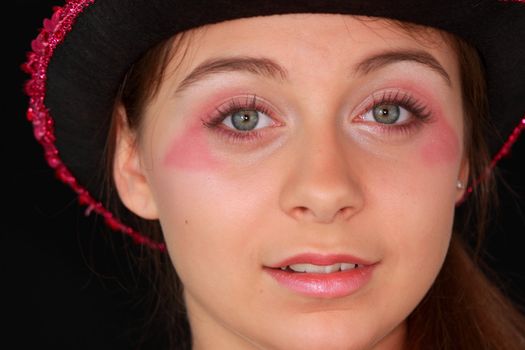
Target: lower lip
[330,285]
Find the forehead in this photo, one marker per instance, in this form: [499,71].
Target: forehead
[297,40]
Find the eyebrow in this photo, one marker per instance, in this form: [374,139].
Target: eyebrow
[267,67]
[259,66]
[381,60]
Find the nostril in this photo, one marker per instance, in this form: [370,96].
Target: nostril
[344,213]
[325,216]
[301,211]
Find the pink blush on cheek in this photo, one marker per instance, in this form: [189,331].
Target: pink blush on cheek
[190,151]
[441,143]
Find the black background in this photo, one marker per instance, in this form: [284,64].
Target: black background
[68,287]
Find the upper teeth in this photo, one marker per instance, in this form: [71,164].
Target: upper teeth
[311,268]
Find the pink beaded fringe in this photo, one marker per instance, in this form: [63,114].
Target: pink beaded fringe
[51,35]
[503,152]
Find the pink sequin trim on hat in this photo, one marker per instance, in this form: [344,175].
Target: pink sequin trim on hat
[51,35]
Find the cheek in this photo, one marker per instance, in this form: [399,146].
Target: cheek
[441,145]
[190,151]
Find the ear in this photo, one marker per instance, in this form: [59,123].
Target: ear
[132,185]
[463,176]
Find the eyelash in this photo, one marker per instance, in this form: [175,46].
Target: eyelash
[421,114]
[233,106]
[419,111]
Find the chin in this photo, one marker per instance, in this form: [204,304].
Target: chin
[330,335]
[326,341]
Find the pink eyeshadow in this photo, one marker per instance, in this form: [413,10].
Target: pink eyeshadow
[441,144]
[190,151]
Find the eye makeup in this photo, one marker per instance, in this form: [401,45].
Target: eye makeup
[419,112]
[212,127]
[215,121]
[190,151]
[441,144]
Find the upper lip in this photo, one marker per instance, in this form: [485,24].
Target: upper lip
[321,260]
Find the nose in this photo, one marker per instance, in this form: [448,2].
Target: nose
[322,185]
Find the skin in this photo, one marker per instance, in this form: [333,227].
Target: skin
[319,178]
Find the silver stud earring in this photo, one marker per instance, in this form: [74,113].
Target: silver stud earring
[459,185]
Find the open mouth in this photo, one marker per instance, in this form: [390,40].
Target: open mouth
[320,269]
[322,276]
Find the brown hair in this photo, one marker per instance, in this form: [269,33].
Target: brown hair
[462,310]
[168,317]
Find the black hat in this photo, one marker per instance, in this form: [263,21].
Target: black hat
[83,52]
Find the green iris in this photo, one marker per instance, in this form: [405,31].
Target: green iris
[245,120]
[386,114]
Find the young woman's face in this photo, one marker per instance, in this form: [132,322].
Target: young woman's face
[285,144]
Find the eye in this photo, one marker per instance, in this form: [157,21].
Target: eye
[387,113]
[242,119]
[247,120]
